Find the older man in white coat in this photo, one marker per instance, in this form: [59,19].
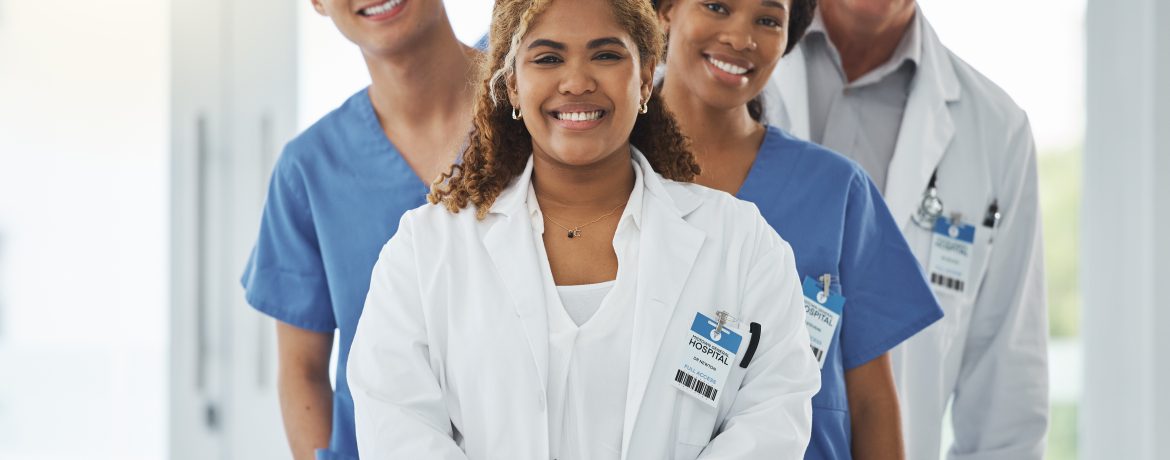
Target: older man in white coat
[955,158]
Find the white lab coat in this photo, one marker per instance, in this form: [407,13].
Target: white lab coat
[450,358]
[990,350]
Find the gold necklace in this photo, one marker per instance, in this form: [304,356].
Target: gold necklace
[576,231]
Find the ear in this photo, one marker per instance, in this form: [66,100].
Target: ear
[319,7]
[513,93]
[665,11]
[647,79]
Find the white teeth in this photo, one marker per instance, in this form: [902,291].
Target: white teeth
[579,116]
[727,67]
[379,9]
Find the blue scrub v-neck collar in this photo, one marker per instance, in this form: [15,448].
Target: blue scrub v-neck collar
[381,144]
[770,171]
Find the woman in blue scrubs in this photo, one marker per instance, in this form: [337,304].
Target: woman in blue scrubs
[721,54]
[336,196]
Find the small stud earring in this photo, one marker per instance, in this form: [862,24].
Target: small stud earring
[516,115]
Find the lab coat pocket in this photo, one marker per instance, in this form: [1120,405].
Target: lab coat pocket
[984,244]
[981,252]
[957,305]
[694,427]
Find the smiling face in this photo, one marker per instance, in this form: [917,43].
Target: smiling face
[724,51]
[578,82]
[383,26]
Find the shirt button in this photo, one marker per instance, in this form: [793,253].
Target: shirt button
[540,402]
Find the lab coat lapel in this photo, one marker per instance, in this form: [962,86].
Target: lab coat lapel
[509,243]
[791,109]
[927,127]
[668,249]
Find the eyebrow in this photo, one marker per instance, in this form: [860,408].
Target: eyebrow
[600,42]
[595,43]
[774,4]
[549,43]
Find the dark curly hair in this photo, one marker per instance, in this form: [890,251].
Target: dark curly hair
[799,19]
[499,147]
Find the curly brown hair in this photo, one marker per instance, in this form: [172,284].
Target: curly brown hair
[499,147]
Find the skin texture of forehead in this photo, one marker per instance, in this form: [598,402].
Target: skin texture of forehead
[570,23]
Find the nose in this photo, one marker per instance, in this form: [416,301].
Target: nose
[738,39]
[577,80]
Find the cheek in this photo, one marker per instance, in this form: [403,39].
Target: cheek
[692,31]
[530,90]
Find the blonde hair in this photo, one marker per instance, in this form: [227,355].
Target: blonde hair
[498,148]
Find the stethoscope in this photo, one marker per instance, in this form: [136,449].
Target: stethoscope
[931,206]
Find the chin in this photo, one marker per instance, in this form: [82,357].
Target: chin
[580,155]
[723,98]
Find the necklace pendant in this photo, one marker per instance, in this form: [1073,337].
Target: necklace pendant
[574,233]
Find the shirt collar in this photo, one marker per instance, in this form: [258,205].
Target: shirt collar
[908,50]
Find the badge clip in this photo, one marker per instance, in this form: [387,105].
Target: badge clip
[826,281]
[724,319]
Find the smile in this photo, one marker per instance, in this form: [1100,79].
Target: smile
[727,66]
[579,116]
[380,9]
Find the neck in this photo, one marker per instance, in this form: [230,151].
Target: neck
[865,41]
[586,190]
[428,84]
[710,129]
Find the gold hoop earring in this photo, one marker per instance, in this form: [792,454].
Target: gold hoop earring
[516,115]
[645,106]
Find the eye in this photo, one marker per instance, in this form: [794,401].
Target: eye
[716,8]
[769,22]
[608,56]
[547,59]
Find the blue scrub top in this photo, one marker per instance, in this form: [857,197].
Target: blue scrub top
[833,216]
[336,195]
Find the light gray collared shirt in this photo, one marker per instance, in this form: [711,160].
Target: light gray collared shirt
[859,119]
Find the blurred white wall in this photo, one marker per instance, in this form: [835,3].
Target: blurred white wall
[83,188]
[1033,49]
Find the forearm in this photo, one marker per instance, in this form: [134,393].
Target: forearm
[306,396]
[306,405]
[877,432]
[875,419]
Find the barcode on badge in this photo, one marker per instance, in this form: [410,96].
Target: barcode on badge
[700,387]
[947,282]
[818,353]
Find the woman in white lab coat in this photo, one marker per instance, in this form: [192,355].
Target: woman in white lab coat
[593,304]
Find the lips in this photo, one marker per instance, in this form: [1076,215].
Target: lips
[727,66]
[578,116]
[381,10]
[729,70]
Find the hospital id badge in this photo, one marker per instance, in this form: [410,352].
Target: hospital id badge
[822,315]
[707,359]
[951,248]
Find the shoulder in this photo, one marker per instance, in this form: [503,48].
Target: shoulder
[329,136]
[435,220]
[731,223]
[989,105]
[990,127]
[819,158]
